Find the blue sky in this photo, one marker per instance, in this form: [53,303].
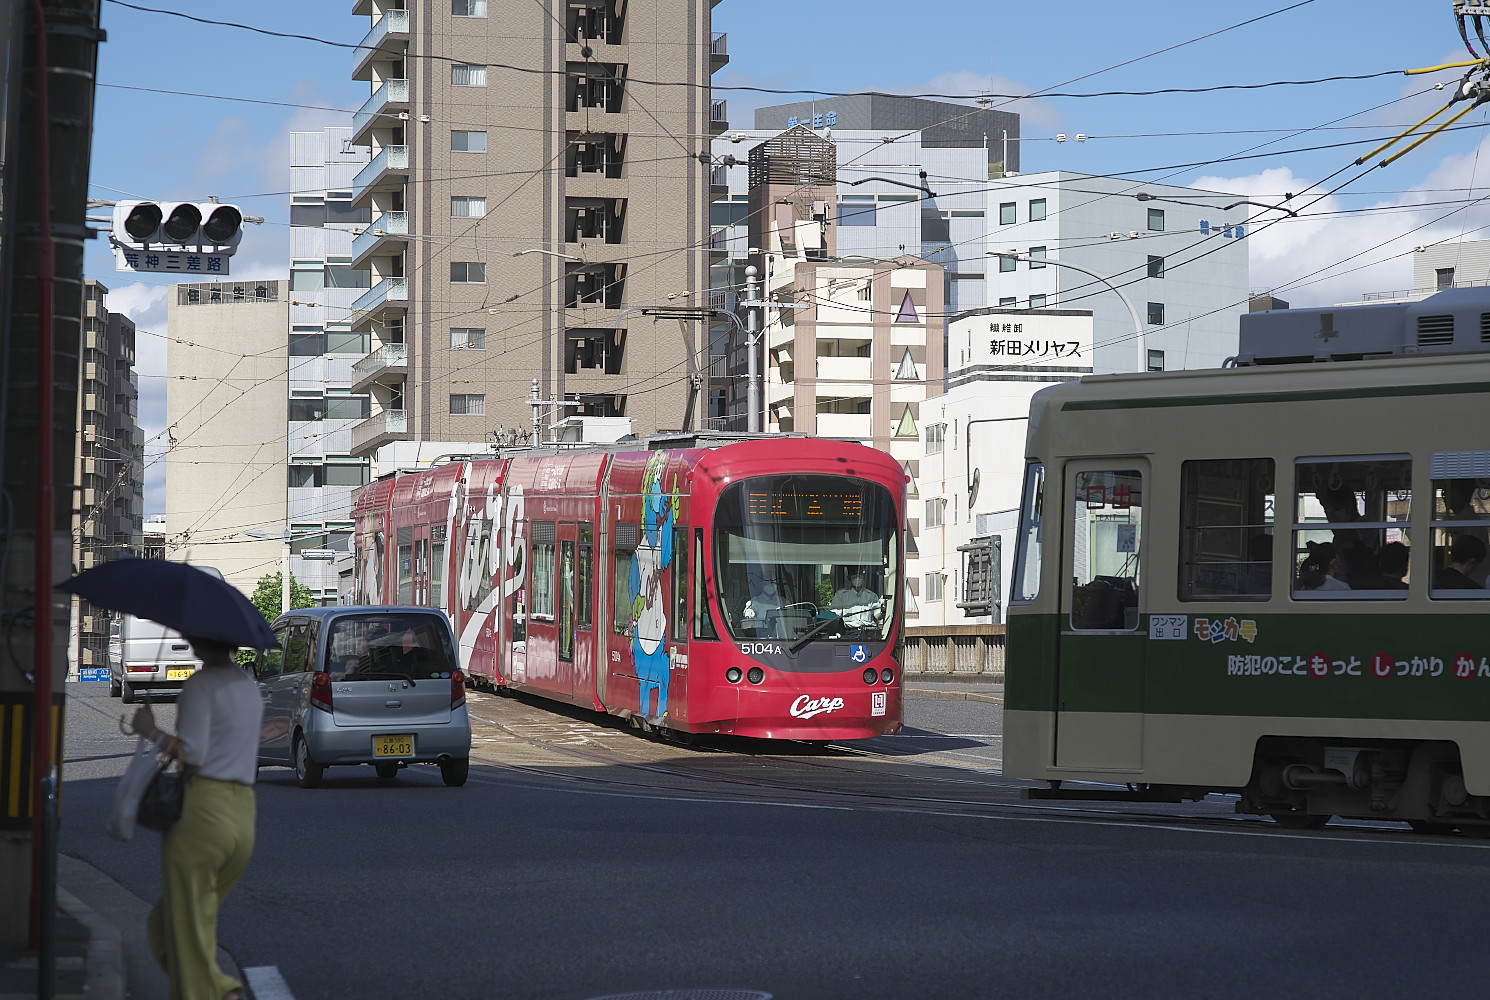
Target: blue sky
[161,146]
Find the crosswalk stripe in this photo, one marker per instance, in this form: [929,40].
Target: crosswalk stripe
[265,983]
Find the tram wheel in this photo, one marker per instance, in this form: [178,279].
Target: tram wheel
[1477,831]
[1301,821]
[1428,826]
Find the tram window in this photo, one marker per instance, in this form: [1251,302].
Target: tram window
[680,584]
[1346,510]
[1461,525]
[1107,518]
[1226,530]
[584,600]
[437,573]
[566,600]
[1031,536]
[541,600]
[703,619]
[405,565]
[627,536]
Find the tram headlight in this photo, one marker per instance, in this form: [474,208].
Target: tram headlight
[887,676]
[870,675]
[756,675]
[733,675]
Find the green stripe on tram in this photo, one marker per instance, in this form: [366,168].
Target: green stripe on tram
[1303,396]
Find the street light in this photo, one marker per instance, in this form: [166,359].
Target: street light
[1138,328]
[286,536]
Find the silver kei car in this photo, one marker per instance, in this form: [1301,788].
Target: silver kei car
[364,685]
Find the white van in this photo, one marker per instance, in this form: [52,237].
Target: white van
[147,657]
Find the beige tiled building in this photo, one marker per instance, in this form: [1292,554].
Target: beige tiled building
[535,174]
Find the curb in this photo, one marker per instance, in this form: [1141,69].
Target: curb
[942,694]
[103,977]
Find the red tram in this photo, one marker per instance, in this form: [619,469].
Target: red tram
[750,588]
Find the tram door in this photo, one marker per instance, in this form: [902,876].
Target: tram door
[574,611]
[1100,660]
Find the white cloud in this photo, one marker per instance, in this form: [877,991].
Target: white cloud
[1322,258]
[1035,115]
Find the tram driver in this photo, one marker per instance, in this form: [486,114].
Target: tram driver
[857,605]
[763,608]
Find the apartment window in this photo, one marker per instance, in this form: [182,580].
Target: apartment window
[1156,361]
[1156,266]
[1008,213]
[467,8]
[467,272]
[465,207]
[467,142]
[1038,301]
[1444,276]
[468,404]
[345,342]
[307,342]
[1037,210]
[346,474]
[467,75]
[348,407]
[1156,220]
[1008,263]
[1156,314]
[936,435]
[1007,302]
[933,589]
[307,276]
[1037,258]
[856,210]
[468,337]
[936,513]
[307,407]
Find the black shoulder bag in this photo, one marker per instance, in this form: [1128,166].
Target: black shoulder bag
[160,806]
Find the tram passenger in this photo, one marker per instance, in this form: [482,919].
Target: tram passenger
[1465,555]
[856,603]
[1393,560]
[1320,569]
[1258,580]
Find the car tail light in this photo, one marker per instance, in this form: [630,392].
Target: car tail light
[320,691]
[457,689]
[148,668]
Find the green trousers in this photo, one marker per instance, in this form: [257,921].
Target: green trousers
[205,854]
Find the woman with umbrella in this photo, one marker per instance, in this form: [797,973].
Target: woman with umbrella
[218,716]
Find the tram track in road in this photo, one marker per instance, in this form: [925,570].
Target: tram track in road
[543,742]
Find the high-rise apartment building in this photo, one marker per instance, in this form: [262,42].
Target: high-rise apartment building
[109,516]
[328,394]
[535,182]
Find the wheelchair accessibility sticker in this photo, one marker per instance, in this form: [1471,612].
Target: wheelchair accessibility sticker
[859,654]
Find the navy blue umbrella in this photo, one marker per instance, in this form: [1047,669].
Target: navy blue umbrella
[176,595]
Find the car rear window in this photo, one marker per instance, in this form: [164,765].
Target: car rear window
[389,646]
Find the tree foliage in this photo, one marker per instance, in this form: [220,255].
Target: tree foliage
[267,595]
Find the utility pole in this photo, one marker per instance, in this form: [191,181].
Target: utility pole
[52,54]
[752,364]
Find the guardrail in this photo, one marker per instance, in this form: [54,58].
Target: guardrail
[952,651]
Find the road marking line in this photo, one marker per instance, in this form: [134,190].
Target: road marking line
[265,983]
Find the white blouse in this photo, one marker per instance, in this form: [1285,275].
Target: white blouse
[218,716]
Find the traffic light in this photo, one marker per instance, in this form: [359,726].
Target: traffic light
[178,226]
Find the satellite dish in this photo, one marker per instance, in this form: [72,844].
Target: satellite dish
[972,491]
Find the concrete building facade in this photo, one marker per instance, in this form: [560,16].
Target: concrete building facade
[108,520]
[535,174]
[226,433]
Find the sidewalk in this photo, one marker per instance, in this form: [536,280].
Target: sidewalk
[952,687]
[102,950]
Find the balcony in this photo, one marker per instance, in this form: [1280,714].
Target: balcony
[386,291]
[387,231]
[719,180]
[718,51]
[853,426]
[858,371]
[719,242]
[387,39]
[378,430]
[380,110]
[390,359]
[718,117]
[388,169]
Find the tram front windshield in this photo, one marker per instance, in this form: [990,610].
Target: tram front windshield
[803,556]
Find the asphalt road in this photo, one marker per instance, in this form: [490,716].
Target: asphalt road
[536,884]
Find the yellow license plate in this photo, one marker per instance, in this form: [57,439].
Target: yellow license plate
[393,746]
[178,675]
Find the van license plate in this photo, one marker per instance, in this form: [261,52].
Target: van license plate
[178,675]
[393,746]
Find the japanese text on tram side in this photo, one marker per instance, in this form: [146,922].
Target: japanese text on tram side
[1381,666]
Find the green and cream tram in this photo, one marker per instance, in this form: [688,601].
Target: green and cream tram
[1207,596]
